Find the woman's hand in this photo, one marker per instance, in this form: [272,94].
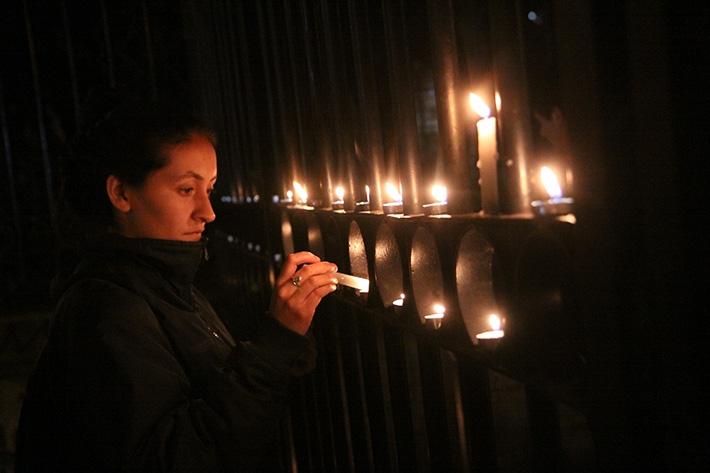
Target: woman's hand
[299,291]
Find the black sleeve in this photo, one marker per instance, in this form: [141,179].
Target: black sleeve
[143,401]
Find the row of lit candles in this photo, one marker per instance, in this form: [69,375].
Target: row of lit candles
[556,204]
[436,316]
[486,127]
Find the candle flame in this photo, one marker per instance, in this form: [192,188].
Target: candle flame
[479,106]
[300,192]
[494,321]
[394,194]
[439,309]
[289,194]
[549,180]
[498,102]
[439,192]
[399,302]
[340,192]
[367,192]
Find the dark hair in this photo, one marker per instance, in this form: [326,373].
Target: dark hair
[129,142]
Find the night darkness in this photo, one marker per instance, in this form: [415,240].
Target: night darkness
[350,89]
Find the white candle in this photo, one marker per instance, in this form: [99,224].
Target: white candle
[359,284]
[439,312]
[399,302]
[556,204]
[487,155]
[301,192]
[495,332]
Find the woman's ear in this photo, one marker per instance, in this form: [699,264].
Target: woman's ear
[116,190]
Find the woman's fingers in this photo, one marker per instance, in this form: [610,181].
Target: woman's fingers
[294,305]
[292,263]
[310,284]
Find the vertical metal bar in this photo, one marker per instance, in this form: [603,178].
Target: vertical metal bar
[224,106]
[340,416]
[403,96]
[359,411]
[72,66]
[289,137]
[514,114]
[17,223]
[295,83]
[276,138]
[338,122]
[107,43]
[235,96]
[367,98]
[451,387]
[48,174]
[248,92]
[450,102]
[323,145]
[149,50]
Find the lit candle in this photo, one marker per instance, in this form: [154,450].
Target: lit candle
[289,197]
[439,206]
[399,302]
[495,333]
[437,316]
[394,206]
[340,196]
[301,192]
[487,154]
[556,204]
[364,205]
[361,285]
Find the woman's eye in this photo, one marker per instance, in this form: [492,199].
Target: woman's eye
[187,190]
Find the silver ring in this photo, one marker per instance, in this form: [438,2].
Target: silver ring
[296,281]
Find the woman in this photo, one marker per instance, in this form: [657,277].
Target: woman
[139,373]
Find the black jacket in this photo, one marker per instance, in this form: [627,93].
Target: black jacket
[139,373]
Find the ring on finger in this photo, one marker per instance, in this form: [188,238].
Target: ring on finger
[296,281]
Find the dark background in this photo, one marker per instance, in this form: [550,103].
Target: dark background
[632,78]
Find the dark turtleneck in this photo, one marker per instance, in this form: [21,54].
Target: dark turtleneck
[140,374]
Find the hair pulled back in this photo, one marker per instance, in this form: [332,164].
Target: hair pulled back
[129,142]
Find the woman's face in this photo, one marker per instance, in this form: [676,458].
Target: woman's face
[173,203]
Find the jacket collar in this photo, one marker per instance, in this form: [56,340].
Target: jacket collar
[164,266]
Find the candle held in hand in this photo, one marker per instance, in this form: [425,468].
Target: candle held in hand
[357,283]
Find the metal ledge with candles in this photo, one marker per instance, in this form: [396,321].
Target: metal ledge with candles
[557,204]
[439,206]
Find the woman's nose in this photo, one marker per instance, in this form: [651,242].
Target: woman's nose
[204,211]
